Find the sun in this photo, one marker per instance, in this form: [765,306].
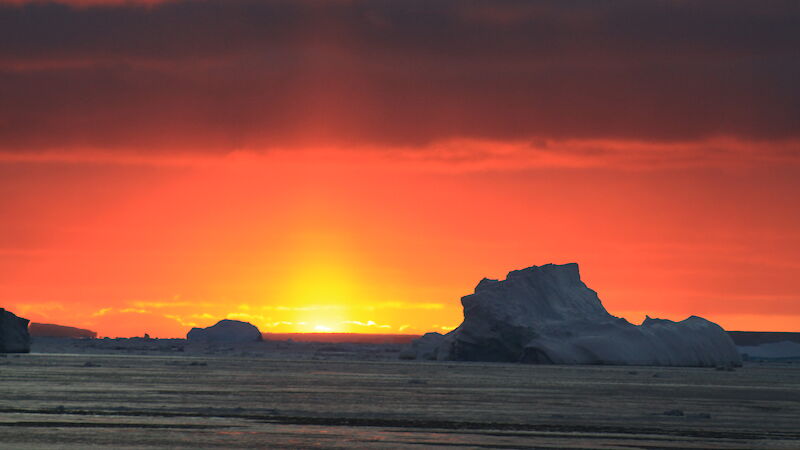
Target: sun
[320,289]
[318,326]
[324,321]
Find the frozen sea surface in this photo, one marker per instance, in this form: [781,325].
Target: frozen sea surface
[324,396]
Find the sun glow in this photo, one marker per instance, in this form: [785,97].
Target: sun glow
[320,285]
[323,320]
[320,297]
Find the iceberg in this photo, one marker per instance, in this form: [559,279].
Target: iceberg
[547,315]
[225,331]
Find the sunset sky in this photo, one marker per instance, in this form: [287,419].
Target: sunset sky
[359,165]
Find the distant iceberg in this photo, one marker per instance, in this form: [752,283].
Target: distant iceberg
[547,315]
[225,332]
[772,350]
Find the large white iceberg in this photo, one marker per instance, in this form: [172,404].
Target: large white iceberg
[546,314]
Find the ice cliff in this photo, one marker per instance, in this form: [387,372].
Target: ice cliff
[225,331]
[14,337]
[546,314]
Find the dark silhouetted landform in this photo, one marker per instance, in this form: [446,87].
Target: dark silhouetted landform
[61,331]
[547,315]
[49,330]
[344,338]
[14,336]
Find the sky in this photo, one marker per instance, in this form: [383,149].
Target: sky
[359,165]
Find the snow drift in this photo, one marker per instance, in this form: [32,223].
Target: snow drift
[546,314]
[14,337]
[226,331]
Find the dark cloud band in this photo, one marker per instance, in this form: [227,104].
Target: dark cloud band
[244,73]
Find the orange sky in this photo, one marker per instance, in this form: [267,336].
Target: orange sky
[372,244]
[195,162]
